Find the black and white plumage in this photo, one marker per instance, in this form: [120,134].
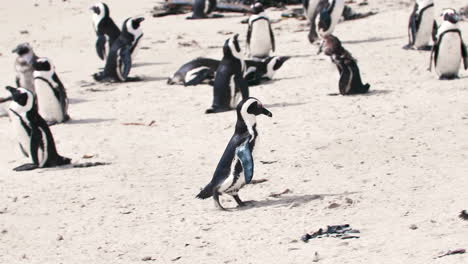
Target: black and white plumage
[201,69]
[106,30]
[202,8]
[464,215]
[449,50]
[311,10]
[422,26]
[52,100]
[119,61]
[236,166]
[194,72]
[350,77]
[328,17]
[229,81]
[34,136]
[260,37]
[24,66]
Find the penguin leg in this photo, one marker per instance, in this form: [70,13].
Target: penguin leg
[216,201]
[26,167]
[240,202]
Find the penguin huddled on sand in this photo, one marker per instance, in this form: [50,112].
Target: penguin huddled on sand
[422,25]
[106,30]
[236,166]
[201,69]
[328,17]
[449,49]
[260,37]
[119,60]
[35,139]
[24,66]
[229,80]
[52,100]
[350,78]
[202,8]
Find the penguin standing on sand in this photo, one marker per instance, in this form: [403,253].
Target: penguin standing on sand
[422,25]
[449,49]
[51,96]
[35,139]
[119,61]
[106,30]
[328,17]
[229,80]
[24,66]
[236,167]
[260,37]
[350,78]
[202,8]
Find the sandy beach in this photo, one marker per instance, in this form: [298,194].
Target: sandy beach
[391,163]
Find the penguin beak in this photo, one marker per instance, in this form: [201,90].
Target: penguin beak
[453,18]
[266,112]
[140,19]
[15,50]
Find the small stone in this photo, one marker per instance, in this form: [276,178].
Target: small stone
[333,206]
[59,238]
[413,227]
[147,258]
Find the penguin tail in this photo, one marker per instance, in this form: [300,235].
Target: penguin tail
[206,192]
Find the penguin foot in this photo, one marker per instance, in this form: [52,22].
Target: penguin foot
[216,110]
[448,77]
[425,48]
[407,47]
[241,203]
[133,79]
[26,167]
[101,77]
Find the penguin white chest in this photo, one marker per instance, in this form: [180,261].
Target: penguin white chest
[424,34]
[22,135]
[449,57]
[336,15]
[48,105]
[260,41]
[311,9]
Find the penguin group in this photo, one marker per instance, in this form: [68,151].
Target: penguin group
[40,98]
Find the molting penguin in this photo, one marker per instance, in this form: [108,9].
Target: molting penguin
[119,61]
[260,37]
[258,71]
[229,79]
[35,139]
[194,72]
[422,26]
[106,30]
[350,77]
[449,49]
[236,167]
[328,17]
[202,8]
[24,66]
[52,101]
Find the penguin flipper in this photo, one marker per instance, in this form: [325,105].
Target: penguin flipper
[242,86]
[126,59]
[101,46]
[345,79]
[199,78]
[434,55]
[36,139]
[272,37]
[26,167]
[244,154]
[464,55]
[435,28]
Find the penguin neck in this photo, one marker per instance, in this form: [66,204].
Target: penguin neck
[446,25]
[246,125]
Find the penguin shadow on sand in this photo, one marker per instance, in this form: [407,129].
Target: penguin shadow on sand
[144,64]
[369,93]
[370,40]
[88,121]
[285,104]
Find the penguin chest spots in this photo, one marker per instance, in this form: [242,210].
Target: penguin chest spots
[48,104]
[449,56]
[260,42]
[424,34]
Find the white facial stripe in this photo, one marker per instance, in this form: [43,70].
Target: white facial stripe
[97,18]
[135,32]
[424,3]
[270,70]
[249,119]
[235,53]
[29,103]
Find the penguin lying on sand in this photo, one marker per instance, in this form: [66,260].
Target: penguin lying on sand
[199,70]
[350,77]
[236,167]
[35,139]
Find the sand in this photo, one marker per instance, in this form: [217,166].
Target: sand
[391,163]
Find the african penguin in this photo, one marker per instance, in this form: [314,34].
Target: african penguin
[23,66]
[260,37]
[350,78]
[328,17]
[194,72]
[229,80]
[311,10]
[52,101]
[449,49]
[236,166]
[258,71]
[202,8]
[119,61]
[35,139]
[422,25]
[106,30]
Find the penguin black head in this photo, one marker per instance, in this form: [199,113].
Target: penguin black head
[450,15]
[132,26]
[257,8]
[22,49]
[42,64]
[23,99]
[232,48]
[274,63]
[251,107]
[100,9]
